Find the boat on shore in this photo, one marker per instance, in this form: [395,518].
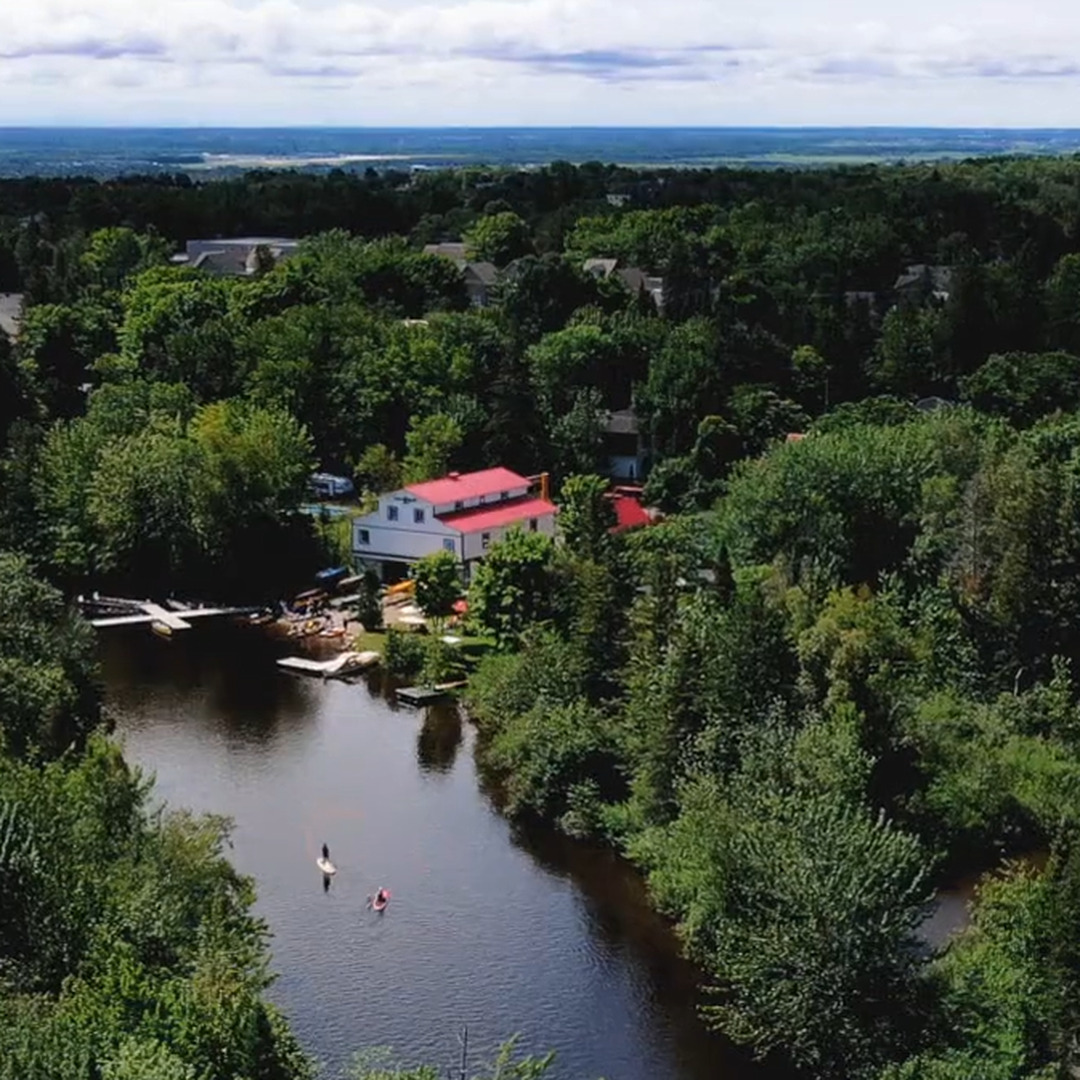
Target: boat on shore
[346,663]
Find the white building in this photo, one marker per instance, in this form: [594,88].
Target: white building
[463,513]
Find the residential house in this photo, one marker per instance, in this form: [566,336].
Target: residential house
[865,300]
[463,513]
[921,281]
[480,277]
[633,278]
[626,450]
[238,257]
[11,313]
[454,250]
[480,280]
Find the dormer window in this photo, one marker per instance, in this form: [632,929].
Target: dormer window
[391,513]
[418,516]
[504,495]
[459,505]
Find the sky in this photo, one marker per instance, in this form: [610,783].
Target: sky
[976,63]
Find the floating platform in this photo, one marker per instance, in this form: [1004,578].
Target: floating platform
[346,663]
[427,695]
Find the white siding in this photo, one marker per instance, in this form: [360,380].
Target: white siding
[474,542]
[405,539]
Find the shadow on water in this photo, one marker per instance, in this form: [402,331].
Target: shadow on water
[439,739]
[951,911]
[622,921]
[207,676]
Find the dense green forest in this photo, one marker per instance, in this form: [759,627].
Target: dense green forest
[840,673]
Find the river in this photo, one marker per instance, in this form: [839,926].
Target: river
[488,927]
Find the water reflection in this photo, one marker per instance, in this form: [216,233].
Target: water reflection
[539,936]
[439,738]
[206,676]
[619,917]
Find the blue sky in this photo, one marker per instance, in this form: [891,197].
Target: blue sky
[476,62]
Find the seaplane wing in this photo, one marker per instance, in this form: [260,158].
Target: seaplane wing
[122,620]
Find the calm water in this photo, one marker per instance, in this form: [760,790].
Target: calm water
[487,927]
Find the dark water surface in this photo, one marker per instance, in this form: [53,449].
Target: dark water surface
[487,927]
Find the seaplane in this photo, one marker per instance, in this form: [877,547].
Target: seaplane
[160,618]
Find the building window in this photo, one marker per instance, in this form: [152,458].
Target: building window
[418,517]
[391,513]
[363,537]
[459,505]
[485,540]
[448,545]
[533,524]
[504,495]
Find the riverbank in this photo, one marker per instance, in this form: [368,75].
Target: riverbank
[507,929]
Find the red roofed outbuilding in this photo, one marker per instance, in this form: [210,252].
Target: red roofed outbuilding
[629,513]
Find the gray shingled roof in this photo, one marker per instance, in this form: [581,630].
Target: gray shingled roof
[11,309]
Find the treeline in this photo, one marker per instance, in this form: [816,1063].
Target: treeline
[779,307]
[127,946]
[803,711]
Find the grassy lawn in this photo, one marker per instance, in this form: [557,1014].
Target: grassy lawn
[370,641]
[473,648]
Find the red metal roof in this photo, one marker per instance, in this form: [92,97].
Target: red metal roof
[492,517]
[629,513]
[457,488]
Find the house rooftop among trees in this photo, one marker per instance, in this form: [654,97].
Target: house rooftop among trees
[635,279]
[239,257]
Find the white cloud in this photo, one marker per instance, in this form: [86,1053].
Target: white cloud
[541,61]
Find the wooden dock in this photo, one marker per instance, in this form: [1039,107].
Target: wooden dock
[346,663]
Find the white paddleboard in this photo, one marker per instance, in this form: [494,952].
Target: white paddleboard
[326,866]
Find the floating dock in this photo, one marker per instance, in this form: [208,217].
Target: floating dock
[427,695]
[345,663]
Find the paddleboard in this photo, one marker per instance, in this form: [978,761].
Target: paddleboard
[326,866]
[376,905]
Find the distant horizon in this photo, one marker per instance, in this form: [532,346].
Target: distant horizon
[215,150]
[537,127]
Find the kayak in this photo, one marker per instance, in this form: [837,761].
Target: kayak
[379,905]
[326,866]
